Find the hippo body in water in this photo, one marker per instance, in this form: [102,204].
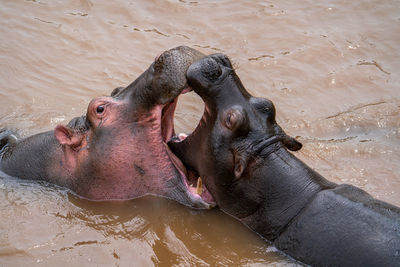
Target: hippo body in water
[118,150]
[244,162]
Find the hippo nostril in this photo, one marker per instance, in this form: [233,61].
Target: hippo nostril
[222,59]
[203,73]
[211,70]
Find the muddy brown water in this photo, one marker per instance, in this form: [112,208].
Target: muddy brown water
[331,68]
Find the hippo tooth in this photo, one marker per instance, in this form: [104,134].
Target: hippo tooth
[199,189]
[182,136]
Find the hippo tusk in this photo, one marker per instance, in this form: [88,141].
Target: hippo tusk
[199,188]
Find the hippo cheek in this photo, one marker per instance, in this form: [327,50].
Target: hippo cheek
[140,119]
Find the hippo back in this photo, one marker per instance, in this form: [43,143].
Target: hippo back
[344,226]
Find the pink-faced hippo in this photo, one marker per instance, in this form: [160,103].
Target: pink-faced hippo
[118,150]
[242,156]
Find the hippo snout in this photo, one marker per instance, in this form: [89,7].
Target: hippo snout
[207,72]
[169,72]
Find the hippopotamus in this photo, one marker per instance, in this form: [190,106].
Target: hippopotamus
[243,157]
[118,150]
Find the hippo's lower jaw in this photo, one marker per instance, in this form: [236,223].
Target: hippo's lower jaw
[192,181]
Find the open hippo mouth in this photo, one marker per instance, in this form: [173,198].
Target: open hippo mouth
[152,98]
[190,178]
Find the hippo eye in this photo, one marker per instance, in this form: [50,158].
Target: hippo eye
[100,109]
[234,118]
[231,119]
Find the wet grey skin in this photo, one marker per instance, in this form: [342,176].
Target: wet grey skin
[243,157]
[118,150]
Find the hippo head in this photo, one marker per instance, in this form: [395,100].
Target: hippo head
[118,150]
[237,131]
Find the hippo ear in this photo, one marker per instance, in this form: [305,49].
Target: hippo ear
[240,165]
[67,136]
[116,91]
[291,143]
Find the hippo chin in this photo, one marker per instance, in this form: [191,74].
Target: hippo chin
[118,150]
[241,154]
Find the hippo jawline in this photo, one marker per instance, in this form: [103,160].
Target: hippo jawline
[190,178]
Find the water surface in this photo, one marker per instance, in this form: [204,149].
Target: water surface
[331,68]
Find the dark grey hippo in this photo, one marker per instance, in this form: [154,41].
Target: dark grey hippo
[118,150]
[242,156]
